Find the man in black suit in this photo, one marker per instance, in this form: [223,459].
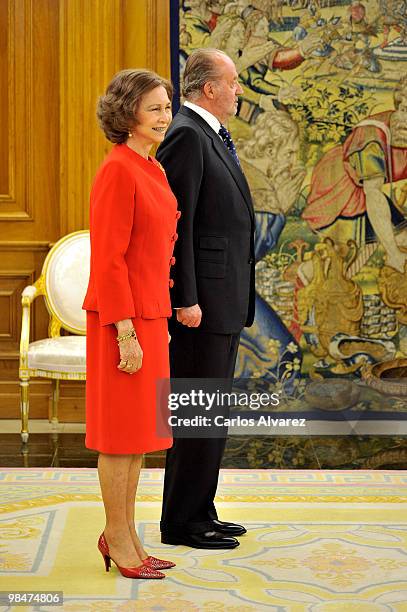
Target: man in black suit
[213,277]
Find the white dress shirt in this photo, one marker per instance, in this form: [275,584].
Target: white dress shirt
[210,119]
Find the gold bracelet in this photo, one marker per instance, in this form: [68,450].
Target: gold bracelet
[129,334]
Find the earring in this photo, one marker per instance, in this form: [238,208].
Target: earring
[130,134]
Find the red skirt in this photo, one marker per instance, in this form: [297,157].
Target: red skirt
[121,408]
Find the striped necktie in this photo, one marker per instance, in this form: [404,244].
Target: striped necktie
[228,142]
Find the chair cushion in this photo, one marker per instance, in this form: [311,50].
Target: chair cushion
[66,280]
[64,354]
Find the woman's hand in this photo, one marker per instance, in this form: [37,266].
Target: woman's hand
[131,353]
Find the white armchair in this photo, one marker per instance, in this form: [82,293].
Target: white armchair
[63,283]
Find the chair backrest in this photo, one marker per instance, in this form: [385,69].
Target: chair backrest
[66,276]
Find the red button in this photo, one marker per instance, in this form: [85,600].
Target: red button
[171,283]
[175,237]
[172,261]
[177,216]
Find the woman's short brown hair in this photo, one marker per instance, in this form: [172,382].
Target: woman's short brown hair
[116,110]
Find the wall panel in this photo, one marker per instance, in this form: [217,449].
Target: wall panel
[4,100]
[12,284]
[146,35]
[56,57]
[90,31]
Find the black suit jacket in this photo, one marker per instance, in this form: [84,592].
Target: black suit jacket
[215,249]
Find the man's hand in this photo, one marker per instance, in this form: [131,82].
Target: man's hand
[190,316]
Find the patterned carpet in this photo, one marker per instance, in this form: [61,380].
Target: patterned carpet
[320,541]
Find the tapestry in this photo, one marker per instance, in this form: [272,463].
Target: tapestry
[321,134]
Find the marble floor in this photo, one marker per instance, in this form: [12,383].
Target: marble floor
[62,445]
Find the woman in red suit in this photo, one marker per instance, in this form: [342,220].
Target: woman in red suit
[133,218]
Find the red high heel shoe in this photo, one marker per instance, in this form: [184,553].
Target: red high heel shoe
[158,564]
[142,571]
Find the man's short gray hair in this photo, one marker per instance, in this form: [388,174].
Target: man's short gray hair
[200,68]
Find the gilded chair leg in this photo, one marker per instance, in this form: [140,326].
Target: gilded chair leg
[24,452]
[24,407]
[55,400]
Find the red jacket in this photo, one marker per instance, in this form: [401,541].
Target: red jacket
[133,219]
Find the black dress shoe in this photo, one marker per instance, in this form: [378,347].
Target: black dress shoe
[230,529]
[208,539]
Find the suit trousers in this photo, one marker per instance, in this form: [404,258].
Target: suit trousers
[192,464]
